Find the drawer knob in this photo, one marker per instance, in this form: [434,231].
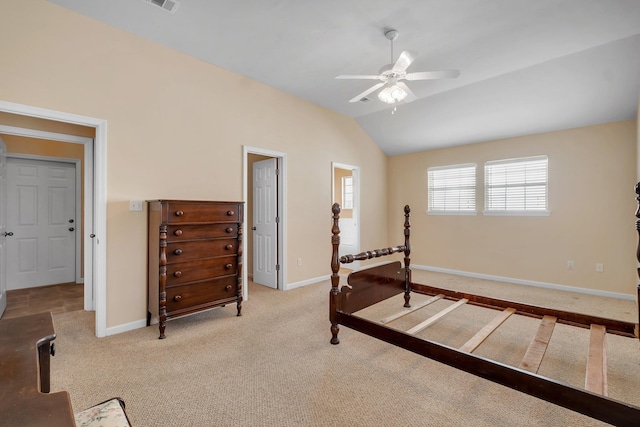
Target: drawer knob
[228,247]
[177,298]
[179,213]
[178,273]
[229,230]
[230,213]
[228,266]
[178,232]
[227,288]
[178,252]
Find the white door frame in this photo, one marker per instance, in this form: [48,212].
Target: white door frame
[282,212]
[95,202]
[3,238]
[78,210]
[355,171]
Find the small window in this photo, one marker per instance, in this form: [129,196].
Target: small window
[347,192]
[516,186]
[452,190]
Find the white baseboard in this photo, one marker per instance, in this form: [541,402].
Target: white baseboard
[306,282]
[527,282]
[126,327]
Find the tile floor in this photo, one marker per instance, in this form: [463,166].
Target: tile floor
[54,298]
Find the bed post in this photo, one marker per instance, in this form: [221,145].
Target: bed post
[407,260]
[638,252]
[335,278]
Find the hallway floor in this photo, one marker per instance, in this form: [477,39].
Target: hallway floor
[54,298]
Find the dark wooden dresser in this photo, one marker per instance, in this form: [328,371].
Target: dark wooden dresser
[195,257]
[25,400]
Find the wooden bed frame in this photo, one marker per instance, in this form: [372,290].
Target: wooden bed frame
[370,286]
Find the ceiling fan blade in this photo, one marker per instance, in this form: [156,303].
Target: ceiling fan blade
[404,60]
[367,92]
[431,75]
[360,77]
[410,95]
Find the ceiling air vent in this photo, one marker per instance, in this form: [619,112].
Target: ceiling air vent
[167,5]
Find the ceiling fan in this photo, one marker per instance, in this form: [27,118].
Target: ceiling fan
[390,76]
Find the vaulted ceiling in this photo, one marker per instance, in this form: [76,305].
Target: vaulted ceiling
[526,66]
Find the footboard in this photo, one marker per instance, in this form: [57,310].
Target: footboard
[370,286]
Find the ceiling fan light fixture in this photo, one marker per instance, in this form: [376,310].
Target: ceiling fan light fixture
[392,94]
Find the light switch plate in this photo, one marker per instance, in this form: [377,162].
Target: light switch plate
[135,205]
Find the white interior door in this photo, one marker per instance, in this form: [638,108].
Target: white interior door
[41,215]
[3,228]
[265,223]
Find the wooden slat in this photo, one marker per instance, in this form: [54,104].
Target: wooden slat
[412,309]
[538,346]
[436,317]
[488,329]
[596,377]
[577,399]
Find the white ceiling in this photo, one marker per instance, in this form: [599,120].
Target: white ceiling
[526,66]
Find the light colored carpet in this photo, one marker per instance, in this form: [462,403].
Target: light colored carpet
[274,366]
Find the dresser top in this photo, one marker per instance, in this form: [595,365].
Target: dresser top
[21,402]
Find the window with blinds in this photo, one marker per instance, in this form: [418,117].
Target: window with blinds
[452,189]
[347,192]
[516,186]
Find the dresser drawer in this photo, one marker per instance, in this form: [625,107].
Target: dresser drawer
[196,232]
[187,251]
[209,292]
[183,272]
[201,212]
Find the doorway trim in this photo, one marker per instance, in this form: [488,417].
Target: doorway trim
[95,204]
[282,212]
[78,210]
[355,171]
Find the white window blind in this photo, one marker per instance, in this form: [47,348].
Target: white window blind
[452,189]
[347,192]
[516,185]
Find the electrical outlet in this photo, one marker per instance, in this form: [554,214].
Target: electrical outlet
[569,265]
[600,268]
[135,205]
[299,262]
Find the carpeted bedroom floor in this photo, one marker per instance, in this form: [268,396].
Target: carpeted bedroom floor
[274,366]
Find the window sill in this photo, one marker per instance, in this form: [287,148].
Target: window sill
[453,213]
[517,213]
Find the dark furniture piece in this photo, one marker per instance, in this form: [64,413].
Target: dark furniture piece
[195,257]
[25,349]
[368,287]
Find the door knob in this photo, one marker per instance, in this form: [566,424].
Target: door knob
[71,228]
[253,228]
[10,233]
[92,235]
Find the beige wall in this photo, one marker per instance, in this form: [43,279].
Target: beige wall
[179,133]
[638,142]
[591,177]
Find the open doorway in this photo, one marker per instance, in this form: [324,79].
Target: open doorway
[345,186]
[264,192]
[93,239]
